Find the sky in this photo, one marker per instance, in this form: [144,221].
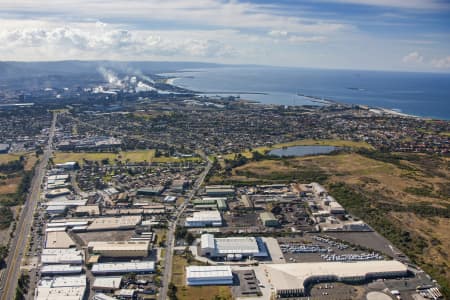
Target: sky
[405,35]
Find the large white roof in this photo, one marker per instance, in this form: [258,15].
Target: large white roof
[124,267]
[231,245]
[56,269]
[208,272]
[293,275]
[66,293]
[61,256]
[112,282]
[206,215]
[119,245]
[64,281]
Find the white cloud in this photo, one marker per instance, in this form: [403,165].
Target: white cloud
[219,13]
[306,39]
[410,4]
[103,41]
[294,38]
[278,33]
[413,57]
[442,63]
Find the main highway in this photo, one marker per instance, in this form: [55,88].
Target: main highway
[170,240]
[19,241]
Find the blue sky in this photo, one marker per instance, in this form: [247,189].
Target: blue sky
[410,35]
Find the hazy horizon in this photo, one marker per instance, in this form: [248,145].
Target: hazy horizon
[389,35]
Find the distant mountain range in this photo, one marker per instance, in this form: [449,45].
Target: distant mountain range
[10,70]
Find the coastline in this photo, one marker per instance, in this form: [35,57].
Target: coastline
[315,99]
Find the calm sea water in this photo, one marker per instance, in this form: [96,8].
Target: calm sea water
[421,94]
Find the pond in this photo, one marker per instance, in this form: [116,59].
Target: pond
[302,150]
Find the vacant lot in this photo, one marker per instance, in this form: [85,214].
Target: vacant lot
[123,156]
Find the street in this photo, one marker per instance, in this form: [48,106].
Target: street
[19,240]
[171,233]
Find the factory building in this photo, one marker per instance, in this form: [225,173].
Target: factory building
[211,203]
[107,283]
[124,267]
[60,269]
[233,248]
[57,193]
[209,275]
[62,256]
[293,279]
[120,248]
[70,165]
[151,190]
[61,287]
[268,219]
[58,240]
[87,210]
[114,223]
[204,219]
[56,210]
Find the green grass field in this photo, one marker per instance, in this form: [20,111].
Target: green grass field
[124,156]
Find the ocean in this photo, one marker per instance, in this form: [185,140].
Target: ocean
[419,94]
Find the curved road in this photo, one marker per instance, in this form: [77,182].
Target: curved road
[19,241]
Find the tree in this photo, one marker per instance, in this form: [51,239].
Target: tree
[190,238]
[172,292]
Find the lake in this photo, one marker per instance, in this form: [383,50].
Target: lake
[302,150]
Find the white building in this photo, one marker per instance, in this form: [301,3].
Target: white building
[124,267]
[204,219]
[60,269]
[61,287]
[234,248]
[107,283]
[290,280]
[101,296]
[120,248]
[209,275]
[61,256]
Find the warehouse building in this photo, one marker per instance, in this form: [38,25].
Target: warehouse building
[57,193]
[120,248]
[61,287]
[232,248]
[62,256]
[114,223]
[70,165]
[211,203]
[268,219]
[107,284]
[151,190]
[124,267]
[219,190]
[60,269]
[209,275]
[204,219]
[294,279]
[87,210]
[58,240]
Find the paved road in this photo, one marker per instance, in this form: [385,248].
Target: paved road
[170,242]
[19,241]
